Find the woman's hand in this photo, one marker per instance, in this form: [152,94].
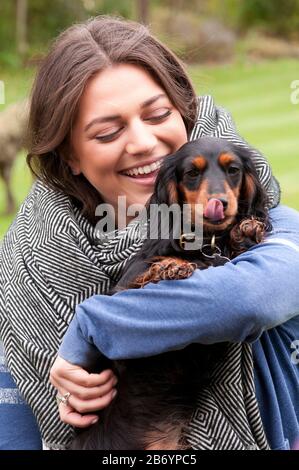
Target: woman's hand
[88,392]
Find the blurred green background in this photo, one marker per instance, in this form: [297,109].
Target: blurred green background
[245,54]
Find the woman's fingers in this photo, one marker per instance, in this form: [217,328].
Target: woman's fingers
[88,392]
[78,382]
[69,416]
[83,393]
[64,370]
[89,406]
[84,379]
[74,412]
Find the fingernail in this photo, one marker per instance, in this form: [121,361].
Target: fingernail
[94,421]
[114,393]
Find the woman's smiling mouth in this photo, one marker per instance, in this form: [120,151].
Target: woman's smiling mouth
[145,174]
[145,169]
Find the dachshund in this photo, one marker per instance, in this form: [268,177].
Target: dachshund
[157,395]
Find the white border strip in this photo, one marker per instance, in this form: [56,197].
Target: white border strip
[283,241]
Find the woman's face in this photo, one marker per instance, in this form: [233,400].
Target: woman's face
[126,125]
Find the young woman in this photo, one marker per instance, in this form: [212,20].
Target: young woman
[108,104]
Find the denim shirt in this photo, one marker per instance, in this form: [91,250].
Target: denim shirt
[18,426]
[253,298]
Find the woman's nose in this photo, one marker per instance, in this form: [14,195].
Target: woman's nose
[141,139]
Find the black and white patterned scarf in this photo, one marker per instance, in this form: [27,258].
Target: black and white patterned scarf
[51,260]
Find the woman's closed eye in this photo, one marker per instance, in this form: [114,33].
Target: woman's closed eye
[155,117]
[109,137]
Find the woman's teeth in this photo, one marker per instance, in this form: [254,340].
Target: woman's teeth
[144,170]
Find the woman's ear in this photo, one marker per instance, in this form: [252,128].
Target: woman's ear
[74,171]
[74,165]
[69,158]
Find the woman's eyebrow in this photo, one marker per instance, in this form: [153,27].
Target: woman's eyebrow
[114,117]
[153,100]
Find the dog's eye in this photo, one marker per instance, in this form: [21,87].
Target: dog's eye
[193,173]
[233,170]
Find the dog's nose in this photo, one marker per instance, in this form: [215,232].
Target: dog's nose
[221,199]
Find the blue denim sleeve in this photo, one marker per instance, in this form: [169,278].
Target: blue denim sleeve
[256,291]
[18,426]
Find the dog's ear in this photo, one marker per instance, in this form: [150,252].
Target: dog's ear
[249,189]
[166,188]
[172,190]
[253,197]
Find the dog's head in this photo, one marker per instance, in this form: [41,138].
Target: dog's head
[217,175]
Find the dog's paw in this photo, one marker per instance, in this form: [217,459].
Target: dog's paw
[253,228]
[247,233]
[163,269]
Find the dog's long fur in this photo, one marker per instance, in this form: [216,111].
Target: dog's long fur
[157,395]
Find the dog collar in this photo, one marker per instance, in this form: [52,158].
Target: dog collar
[215,250]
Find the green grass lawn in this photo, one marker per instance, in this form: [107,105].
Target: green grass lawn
[258,96]
[17,86]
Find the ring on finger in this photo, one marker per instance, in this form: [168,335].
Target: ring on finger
[64,399]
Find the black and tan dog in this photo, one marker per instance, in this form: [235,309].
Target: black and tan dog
[157,395]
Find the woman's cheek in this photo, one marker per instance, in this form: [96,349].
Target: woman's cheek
[178,132]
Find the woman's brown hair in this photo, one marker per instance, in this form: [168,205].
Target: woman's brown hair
[79,53]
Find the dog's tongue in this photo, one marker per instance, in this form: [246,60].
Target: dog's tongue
[214,210]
